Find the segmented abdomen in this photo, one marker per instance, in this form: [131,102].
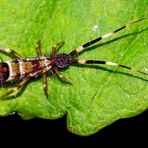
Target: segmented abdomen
[20,69]
[4,71]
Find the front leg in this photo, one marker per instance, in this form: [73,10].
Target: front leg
[56,47]
[59,74]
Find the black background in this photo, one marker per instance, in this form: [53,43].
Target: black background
[13,130]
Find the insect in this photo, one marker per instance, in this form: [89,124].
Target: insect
[24,69]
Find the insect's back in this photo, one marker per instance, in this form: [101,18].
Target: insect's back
[23,68]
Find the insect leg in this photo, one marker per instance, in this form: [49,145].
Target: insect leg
[44,77]
[56,47]
[38,48]
[44,84]
[88,44]
[18,87]
[59,74]
[11,52]
[76,61]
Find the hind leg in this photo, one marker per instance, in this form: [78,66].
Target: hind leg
[15,89]
[11,52]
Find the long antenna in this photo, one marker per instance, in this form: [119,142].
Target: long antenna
[88,44]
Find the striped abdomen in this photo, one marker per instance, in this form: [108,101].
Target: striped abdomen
[20,69]
[4,71]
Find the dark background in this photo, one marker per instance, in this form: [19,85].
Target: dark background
[13,130]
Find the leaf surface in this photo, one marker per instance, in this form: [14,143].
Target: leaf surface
[100,95]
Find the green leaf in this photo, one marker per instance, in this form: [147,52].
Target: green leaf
[100,95]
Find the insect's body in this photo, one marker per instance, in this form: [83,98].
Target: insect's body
[31,67]
[22,68]
[25,69]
